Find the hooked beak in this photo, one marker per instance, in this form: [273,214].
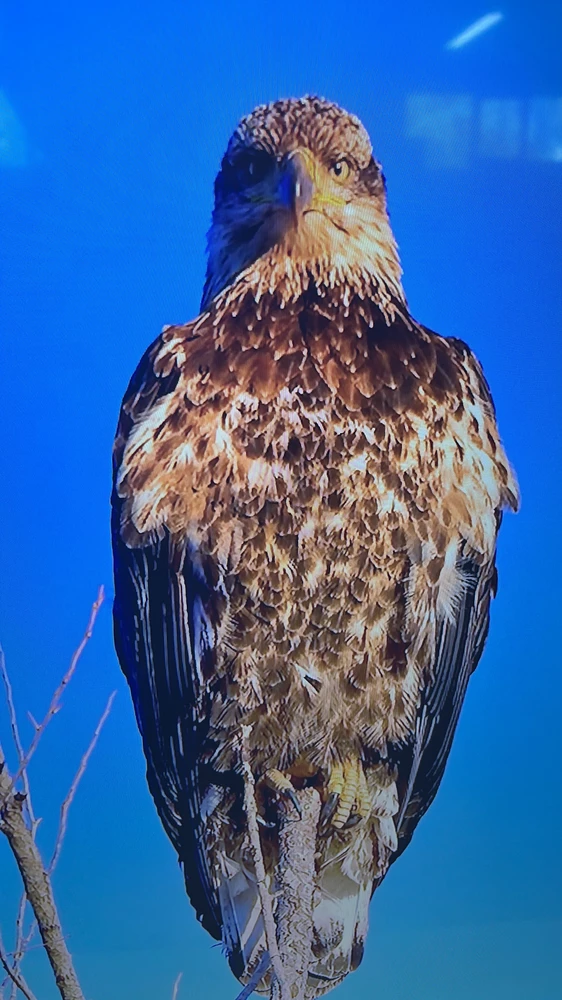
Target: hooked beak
[296,187]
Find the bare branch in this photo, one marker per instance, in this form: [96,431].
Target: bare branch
[262,881]
[16,735]
[55,700]
[256,977]
[177,986]
[20,944]
[14,974]
[22,941]
[37,887]
[21,836]
[75,782]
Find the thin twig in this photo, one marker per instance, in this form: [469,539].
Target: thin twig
[21,837]
[262,882]
[75,782]
[55,700]
[256,977]
[14,974]
[177,986]
[16,735]
[23,943]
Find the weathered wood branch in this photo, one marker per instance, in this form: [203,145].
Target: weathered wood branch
[37,886]
[288,933]
[295,883]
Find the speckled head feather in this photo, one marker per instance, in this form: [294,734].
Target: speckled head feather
[322,126]
[300,201]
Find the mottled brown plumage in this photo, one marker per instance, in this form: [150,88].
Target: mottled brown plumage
[308,486]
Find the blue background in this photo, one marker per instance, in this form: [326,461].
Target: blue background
[113,120]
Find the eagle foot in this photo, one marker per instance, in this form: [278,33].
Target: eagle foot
[281,784]
[348,800]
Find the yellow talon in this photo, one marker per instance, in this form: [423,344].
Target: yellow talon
[335,783]
[348,798]
[281,784]
[348,793]
[364,801]
[278,781]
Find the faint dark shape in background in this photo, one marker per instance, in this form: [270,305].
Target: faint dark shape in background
[13,139]
[500,130]
[544,129]
[453,129]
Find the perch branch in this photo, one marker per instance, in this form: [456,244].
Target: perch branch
[261,878]
[295,882]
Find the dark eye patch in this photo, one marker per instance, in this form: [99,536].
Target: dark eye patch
[245,234]
[248,167]
[372,177]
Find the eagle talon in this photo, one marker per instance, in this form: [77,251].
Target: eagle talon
[348,799]
[328,810]
[292,795]
[281,784]
[265,822]
[352,821]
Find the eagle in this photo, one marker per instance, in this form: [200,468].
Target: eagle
[308,487]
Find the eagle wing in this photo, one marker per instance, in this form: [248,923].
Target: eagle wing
[164,614]
[459,646]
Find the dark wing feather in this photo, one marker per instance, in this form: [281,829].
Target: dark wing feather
[164,641]
[459,647]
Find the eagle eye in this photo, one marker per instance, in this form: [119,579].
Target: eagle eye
[340,169]
[251,167]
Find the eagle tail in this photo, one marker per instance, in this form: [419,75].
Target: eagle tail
[344,886]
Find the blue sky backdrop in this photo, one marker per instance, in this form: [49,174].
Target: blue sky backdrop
[113,119]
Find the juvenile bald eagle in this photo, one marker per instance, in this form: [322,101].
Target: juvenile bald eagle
[308,488]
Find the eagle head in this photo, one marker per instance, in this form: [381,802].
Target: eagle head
[301,201]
